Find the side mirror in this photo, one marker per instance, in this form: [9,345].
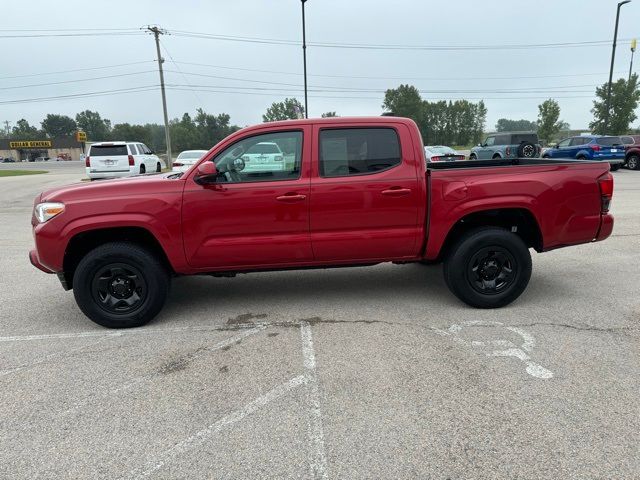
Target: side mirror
[206,173]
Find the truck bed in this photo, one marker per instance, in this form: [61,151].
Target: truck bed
[504,162]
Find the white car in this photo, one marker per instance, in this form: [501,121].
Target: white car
[441,153]
[120,159]
[264,157]
[186,159]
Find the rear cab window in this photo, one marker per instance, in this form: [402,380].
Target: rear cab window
[108,150]
[518,138]
[358,151]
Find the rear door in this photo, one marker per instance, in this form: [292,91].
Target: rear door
[109,157]
[365,194]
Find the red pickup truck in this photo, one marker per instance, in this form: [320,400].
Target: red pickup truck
[337,192]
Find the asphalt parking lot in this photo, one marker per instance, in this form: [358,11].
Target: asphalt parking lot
[353,373]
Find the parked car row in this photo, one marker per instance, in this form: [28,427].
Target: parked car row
[590,147]
[120,159]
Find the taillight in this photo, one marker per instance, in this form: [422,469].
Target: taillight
[460,157]
[131,161]
[178,164]
[436,159]
[87,162]
[508,151]
[595,148]
[605,183]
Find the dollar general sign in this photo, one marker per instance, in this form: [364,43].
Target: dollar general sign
[31,144]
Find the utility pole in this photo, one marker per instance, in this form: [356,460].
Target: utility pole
[304,59]
[156,33]
[6,123]
[613,57]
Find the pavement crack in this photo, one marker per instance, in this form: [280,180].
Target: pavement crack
[586,328]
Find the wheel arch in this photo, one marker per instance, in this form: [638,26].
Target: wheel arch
[520,221]
[83,242]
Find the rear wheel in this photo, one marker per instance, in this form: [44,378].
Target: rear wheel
[496,157]
[581,157]
[488,268]
[120,285]
[633,162]
[158,167]
[614,167]
[143,169]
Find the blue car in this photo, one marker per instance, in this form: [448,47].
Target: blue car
[589,147]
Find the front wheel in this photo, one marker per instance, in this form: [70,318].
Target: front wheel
[120,285]
[488,268]
[473,157]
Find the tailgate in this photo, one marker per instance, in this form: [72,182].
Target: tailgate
[109,158]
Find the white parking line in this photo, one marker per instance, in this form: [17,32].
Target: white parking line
[318,462]
[202,435]
[119,333]
[143,378]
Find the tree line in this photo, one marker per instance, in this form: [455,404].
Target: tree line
[458,122]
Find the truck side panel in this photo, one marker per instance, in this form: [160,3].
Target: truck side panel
[563,199]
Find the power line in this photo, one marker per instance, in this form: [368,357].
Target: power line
[76,81]
[142,88]
[79,34]
[77,70]
[274,41]
[400,77]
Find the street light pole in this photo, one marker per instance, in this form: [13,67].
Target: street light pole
[633,49]
[613,57]
[304,60]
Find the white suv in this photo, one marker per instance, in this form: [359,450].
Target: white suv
[120,159]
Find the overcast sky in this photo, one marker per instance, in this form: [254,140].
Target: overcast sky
[333,84]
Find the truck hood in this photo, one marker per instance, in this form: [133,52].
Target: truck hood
[117,186]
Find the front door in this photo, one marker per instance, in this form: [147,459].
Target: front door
[486,151]
[563,150]
[256,215]
[365,195]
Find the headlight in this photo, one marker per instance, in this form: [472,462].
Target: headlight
[48,210]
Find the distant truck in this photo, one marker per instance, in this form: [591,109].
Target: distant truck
[357,191]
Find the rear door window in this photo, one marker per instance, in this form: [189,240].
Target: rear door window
[502,140]
[108,150]
[134,150]
[357,151]
[575,141]
[609,141]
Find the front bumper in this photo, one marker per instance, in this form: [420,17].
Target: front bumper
[35,261]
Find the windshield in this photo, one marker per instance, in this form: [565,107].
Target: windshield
[263,148]
[192,155]
[108,150]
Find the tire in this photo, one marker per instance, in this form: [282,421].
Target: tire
[143,169]
[120,285]
[526,150]
[473,157]
[581,157]
[496,157]
[158,167]
[633,162]
[546,156]
[614,168]
[491,249]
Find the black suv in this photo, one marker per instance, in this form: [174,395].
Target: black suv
[507,145]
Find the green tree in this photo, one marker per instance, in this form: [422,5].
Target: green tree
[184,134]
[96,127]
[624,101]
[507,125]
[289,109]
[404,101]
[329,115]
[23,130]
[58,125]
[132,133]
[212,128]
[549,123]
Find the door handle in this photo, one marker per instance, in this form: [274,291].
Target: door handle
[291,198]
[396,192]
